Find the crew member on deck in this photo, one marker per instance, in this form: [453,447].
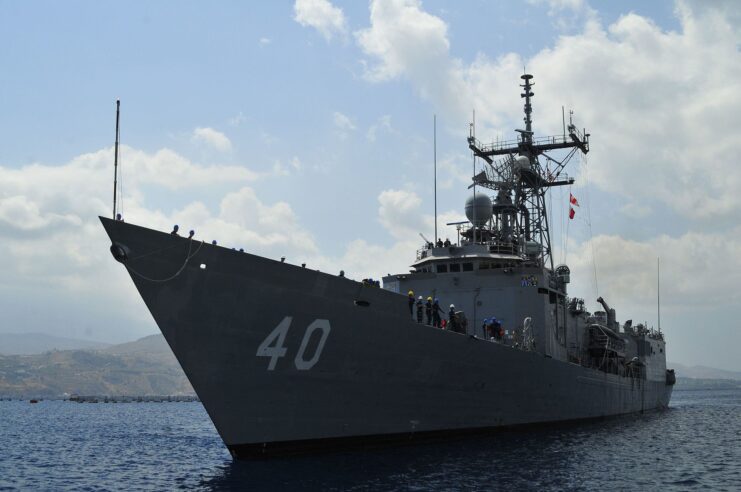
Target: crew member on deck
[175,230]
[436,311]
[487,327]
[428,310]
[494,327]
[420,309]
[446,243]
[451,318]
[411,303]
[439,243]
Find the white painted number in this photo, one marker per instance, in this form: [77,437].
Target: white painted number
[301,363]
[278,335]
[273,347]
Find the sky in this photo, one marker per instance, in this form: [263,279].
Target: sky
[305,129]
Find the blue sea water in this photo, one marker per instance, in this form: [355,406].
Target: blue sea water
[55,445]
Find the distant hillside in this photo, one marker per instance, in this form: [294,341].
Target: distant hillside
[144,367]
[703,372]
[153,344]
[706,384]
[37,343]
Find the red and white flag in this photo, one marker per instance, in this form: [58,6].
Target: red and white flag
[572,212]
[573,200]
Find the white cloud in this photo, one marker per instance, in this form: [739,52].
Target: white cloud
[322,16]
[19,213]
[568,14]
[214,138]
[454,170]
[407,42]
[383,123]
[399,213]
[264,42]
[342,122]
[280,169]
[403,38]
[265,229]
[659,104]
[636,210]
[268,138]
[53,249]
[237,119]
[699,271]
[362,259]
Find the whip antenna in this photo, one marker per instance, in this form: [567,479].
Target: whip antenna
[115,159]
[434,153]
[658,291]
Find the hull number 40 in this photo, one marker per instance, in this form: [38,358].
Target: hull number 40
[273,347]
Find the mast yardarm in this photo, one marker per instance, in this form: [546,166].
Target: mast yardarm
[521,180]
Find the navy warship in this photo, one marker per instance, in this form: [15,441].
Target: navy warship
[289,360]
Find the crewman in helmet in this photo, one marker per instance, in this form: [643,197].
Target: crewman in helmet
[420,308]
[428,310]
[451,318]
[411,303]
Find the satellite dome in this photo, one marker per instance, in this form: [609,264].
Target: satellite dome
[482,205]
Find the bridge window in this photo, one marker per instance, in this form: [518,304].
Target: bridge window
[468,267]
[442,268]
[455,267]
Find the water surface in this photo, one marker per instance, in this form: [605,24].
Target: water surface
[56,445]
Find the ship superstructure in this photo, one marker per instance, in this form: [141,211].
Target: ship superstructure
[286,359]
[501,265]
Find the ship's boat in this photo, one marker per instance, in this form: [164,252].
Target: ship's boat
[286,359]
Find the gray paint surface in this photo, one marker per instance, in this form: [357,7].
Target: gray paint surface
[378,372]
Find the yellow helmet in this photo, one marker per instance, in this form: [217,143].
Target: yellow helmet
[411,293]
[429,298]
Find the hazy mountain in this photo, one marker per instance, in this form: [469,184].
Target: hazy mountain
[706,384]
[144,367]
[152,344]
[36,343]
[703,372]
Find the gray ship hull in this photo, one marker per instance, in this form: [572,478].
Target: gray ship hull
[286,359]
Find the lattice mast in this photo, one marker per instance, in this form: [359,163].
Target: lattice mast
[521,181]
